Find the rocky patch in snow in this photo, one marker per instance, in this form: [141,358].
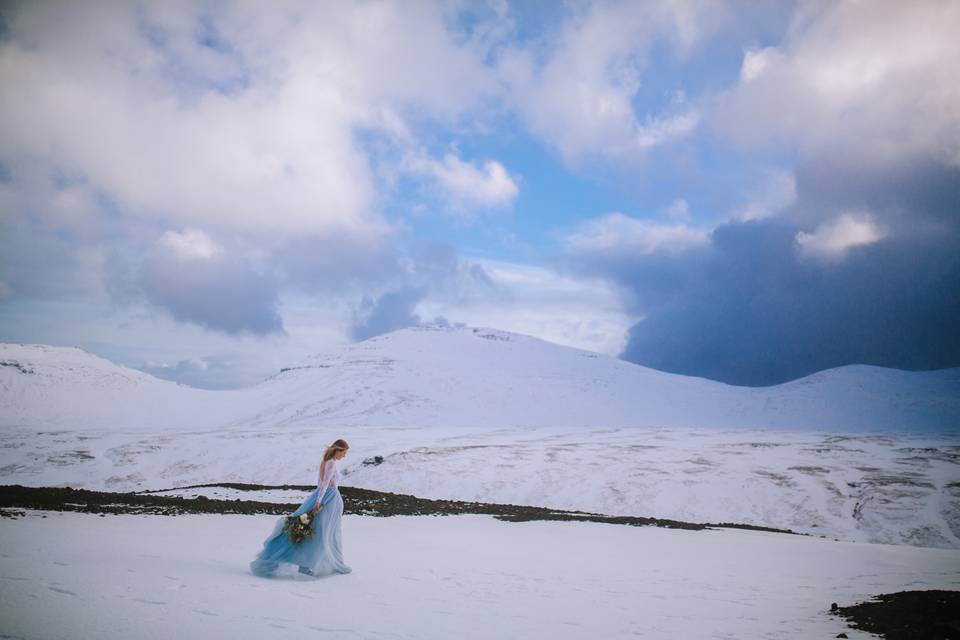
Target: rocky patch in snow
[907,615]
[356,501]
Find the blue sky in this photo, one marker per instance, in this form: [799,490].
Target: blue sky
[749,192]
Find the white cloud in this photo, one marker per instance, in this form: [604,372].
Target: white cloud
[578,95]
[190,244]
[770,197]
[756,62]
[617,232]
[196,280]
[247,119]
[875,79]
[466,185]
[679,211]
[831,239]
[659,129]
[582,312]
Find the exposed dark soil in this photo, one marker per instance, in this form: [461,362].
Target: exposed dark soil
[356,501]
[907,615]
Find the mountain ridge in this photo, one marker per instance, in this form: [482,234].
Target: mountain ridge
[949,373]
[469,377]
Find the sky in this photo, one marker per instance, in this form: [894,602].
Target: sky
[749,192]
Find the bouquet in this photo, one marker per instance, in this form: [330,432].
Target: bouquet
[299,527]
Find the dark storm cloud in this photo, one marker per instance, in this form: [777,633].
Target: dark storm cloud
[750,307]
[757,313]
[903,194]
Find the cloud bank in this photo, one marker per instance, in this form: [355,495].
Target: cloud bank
[755,192]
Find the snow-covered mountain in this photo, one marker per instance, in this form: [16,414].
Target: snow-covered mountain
[460,377]
[860,453]
[43,387]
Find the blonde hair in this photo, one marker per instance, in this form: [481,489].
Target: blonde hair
[338,445]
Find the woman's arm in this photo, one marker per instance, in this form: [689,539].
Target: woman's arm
[327,470]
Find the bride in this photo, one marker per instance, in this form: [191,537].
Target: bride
[320,552]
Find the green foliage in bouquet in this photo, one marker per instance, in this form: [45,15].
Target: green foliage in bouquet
[299,528]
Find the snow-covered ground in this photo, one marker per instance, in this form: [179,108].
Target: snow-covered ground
[75,575]
[875,488]
[477,414]
[861,454]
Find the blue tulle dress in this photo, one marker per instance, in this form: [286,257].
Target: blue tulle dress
[321,554]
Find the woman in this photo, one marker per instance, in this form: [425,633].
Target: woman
[320,553]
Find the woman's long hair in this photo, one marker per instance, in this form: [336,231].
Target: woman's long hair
[338,445]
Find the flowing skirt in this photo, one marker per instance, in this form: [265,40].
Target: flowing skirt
[320,554]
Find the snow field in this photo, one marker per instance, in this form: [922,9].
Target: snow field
[871,488]
[73,575]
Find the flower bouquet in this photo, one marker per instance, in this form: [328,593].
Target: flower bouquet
[299,528]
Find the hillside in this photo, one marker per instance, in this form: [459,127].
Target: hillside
[457,377]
